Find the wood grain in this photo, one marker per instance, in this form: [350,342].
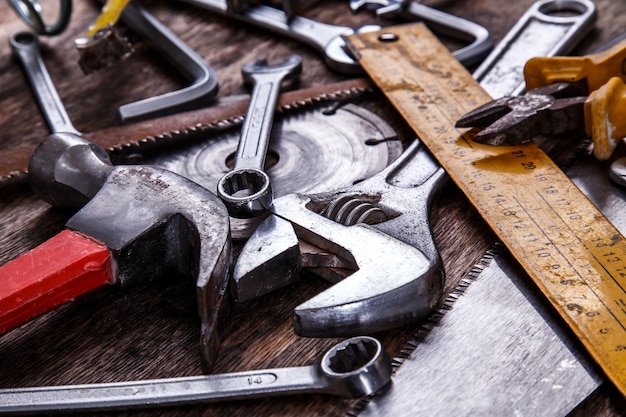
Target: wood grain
[152,330]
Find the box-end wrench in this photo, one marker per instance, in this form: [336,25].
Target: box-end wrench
[379,228]
[353,368]
[246,189]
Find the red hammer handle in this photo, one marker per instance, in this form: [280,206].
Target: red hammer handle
[66,266]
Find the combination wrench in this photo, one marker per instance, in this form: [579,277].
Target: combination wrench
[246,189]
[25,46]
[353,368]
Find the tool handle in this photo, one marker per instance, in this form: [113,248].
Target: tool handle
[595,69]
[66,266]
[604,117]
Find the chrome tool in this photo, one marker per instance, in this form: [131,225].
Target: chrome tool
[326,38]
[353,368]
[380,244]
[246,189]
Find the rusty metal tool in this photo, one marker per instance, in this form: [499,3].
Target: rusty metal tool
[511,121]
[440,22]
[350,143]
[44,286]
[136,223]
[353,368]
[382,218]
[246,189]
[325,38]
[25,46]
[565,94]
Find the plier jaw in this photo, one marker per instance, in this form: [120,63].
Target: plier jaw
[510,121]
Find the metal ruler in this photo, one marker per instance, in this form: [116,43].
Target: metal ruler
[571,251]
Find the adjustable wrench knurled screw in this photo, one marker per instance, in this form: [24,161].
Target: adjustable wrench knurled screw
[246,190]
[354,368]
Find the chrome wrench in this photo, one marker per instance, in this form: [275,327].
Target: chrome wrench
[380,232]
[325,38]
[353,368]
[25,46]
[502,74]
[246,189]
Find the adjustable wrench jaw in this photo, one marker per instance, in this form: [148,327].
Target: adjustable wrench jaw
[394,271]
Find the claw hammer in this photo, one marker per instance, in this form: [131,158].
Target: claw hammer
[136,223]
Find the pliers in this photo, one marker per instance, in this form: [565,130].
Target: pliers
[564,94]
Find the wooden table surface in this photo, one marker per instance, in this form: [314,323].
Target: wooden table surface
[152,330]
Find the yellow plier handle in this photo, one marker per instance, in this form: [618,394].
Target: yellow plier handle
[595,69]
[604,74]
[604,117]
[109,15]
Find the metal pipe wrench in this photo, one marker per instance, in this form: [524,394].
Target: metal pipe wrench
[328,39]
[377,232]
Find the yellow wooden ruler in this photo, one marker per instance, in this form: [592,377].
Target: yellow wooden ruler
[567,246]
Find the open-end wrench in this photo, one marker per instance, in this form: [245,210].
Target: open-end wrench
[449,25]
[353,368]
[548,28]
[379,230]
[246,189]
[25,46]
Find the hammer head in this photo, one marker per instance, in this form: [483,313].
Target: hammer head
[154,222]
[67,170]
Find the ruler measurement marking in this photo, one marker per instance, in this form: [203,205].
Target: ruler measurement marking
[598,259]
[431,90]
[589,285]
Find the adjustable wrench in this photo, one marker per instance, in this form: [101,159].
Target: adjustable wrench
[353,368]
[395,271]
[326,38]
[246,189]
